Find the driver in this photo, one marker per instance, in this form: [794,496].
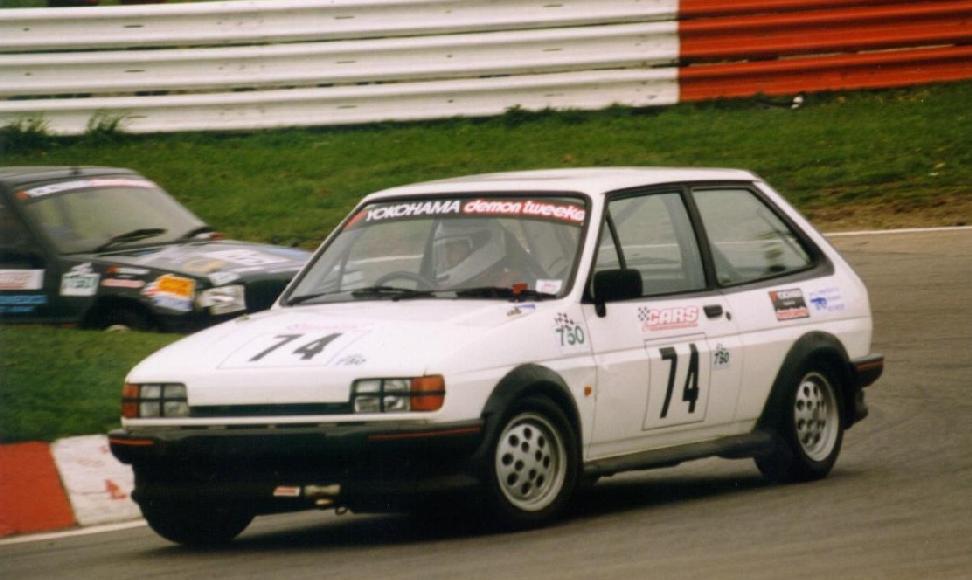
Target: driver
[470,253]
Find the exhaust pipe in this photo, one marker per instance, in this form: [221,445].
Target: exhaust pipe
[324,496]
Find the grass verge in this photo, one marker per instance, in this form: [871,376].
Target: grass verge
[58,382]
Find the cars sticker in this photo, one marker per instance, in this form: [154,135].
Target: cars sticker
[21,280]
[223,277]
[789,304]
[85,184]
[827,300]
[549,286]
[21,303]
[570,335]
[176,286]
[658,319]
[520,309]
[246,257]
[80,281]
[171,292]
[123,283]
[202,265]
[567,212]
[720,357]
[125,271]
[406,209]
[352,360]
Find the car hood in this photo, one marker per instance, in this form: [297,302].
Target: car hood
[314,352]
[221,261]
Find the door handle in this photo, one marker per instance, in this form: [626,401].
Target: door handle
[713,310]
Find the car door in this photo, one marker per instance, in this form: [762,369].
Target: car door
[772,275]
[669,361]
[25,274]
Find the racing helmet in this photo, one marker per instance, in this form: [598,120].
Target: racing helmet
[465,248]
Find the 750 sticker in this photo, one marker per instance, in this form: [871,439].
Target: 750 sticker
[569,333]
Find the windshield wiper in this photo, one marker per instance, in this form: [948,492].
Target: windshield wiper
[195,232]
[370,292]
[393,292]
[132,236]
[501,292]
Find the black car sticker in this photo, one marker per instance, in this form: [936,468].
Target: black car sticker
[53,188]
[21,303]
[21,279]
[827,300]
[80,281]
[559,211]
[789,304]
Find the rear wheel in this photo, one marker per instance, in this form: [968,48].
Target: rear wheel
[808,422]
[534,466]
[124,318]
[195,523]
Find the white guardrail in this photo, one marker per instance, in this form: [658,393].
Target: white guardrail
[271,63]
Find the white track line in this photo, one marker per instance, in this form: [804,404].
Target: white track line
[899,231]
[73,533]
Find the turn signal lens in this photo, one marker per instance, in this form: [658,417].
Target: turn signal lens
[129,406]
[428,393]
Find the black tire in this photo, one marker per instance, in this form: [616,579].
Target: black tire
[195,524]
[807,419]
[532,468]
[121,318]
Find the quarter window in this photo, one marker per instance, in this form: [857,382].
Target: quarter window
[657,239]
[749,241]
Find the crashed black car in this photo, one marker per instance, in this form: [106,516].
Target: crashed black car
[107,248]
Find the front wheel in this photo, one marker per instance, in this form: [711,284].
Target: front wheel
[534,465]
[194,523]
[808,422]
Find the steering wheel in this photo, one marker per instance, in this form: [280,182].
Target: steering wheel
[422,282]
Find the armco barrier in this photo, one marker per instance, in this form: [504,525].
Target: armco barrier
[778,47]
[261,21]
[343,62]
[271,63]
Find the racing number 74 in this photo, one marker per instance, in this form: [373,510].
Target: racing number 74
[690,391]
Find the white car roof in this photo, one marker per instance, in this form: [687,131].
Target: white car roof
[589,180]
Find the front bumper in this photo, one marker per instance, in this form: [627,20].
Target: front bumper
[262,463]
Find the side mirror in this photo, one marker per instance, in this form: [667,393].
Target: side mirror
[614,286]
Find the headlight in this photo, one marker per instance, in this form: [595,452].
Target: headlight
[154,400]
[398,395]
[223,299]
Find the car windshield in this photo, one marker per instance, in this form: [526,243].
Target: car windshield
[86,215]
[475,247]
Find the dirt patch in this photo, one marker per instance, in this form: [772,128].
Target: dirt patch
[942,211]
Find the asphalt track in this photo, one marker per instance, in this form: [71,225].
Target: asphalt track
[898,505]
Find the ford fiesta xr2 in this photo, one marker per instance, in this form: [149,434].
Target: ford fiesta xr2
[513,336]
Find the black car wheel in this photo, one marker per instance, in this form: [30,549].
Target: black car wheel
[808,423]
[194,523]
[533,467]
[123,318]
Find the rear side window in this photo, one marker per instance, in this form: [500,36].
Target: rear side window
[749,241]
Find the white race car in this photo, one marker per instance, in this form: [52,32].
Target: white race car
[515,336]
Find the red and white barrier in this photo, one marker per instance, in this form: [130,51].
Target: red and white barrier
[73,482]
[273,63]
